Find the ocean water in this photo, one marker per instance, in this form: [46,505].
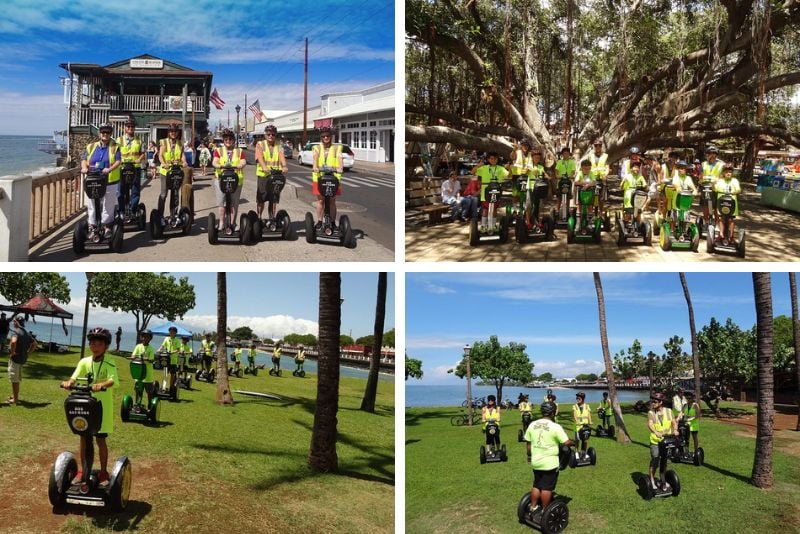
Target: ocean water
[418,396]
[19,155]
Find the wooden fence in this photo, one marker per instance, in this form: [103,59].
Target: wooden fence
[55,200]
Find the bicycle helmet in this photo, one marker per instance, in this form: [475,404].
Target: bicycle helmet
[657,396]
[270,128]
[727,167]
[105,127]
[548,409]
[634,150]
[174,127]
[682,164]
[525,142]
[536,151]
[147,332]
[712,150]
[227,133]
[605,393]
[549,391]
[326,130]
[581,394]
[491,398]
[99,332]
[598,141]
[130,122]
[173,328]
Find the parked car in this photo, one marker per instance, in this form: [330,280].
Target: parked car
[306,155]
[287,151]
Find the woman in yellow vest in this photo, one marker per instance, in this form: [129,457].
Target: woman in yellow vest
[711,171]
[604,405]
[131,151]
[326,154]
[581,414]
[171,151]
[521,165]
[228,155]
[491,412]
[269,155]
[661,424]
[692,414]
[104,155]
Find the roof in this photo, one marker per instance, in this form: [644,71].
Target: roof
[369,106]
[171,68]
[163,330]
[40,305]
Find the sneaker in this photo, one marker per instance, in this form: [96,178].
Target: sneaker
[78,478]
[318,225]
[103,479]
[92,232]
[107,231]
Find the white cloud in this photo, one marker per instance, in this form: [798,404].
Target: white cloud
[31,115]
[561,369]
[273,326]
[437,289]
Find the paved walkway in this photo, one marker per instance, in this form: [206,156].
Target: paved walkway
[138,245]
[772,235]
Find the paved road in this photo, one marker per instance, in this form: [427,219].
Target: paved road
[366,206]
[772,235]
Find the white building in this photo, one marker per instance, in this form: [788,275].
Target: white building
[363,119]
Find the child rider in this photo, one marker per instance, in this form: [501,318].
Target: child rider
[146,353]
[727,184]
[630,184]
[174,347]
[489,173]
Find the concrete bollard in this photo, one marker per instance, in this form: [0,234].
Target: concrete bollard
[15,206]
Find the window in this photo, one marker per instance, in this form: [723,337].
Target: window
[372,123]
[363,124]
[346,138]
[363,139]
[373,139]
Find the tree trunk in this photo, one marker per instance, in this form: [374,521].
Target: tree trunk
[224,395]
[498,386]
[693,330]
[622,431]
[322,456]
[748,162]
[762,463]
[568,84]
[368,404]
[796,336]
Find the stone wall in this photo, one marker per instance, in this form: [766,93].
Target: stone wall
[77,146]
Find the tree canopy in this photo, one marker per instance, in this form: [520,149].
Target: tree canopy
[18,288]
[727,353]
[308,340]
[243,332]
[497,364]
[344,339]
[413,368]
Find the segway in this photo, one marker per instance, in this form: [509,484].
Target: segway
[682,453]
[601,431]
[718,239]
[229,183]
[133,219]
[563,189]
[134,409]
[668,485]
[583,225]
[630,232]
[184,378]
[276,369]
[251,368]
[580,457]
[205,373]
[276,224]
[178,220]
[686,236]
[301,373]
[527,418]
[496,229]
[555,517]
[95,185]
[601,191]
[325,230]
[707,200]
[534,227]
[84,416]
[494,451]
[162,389]
[232,371]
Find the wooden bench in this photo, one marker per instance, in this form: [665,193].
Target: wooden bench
[424,196]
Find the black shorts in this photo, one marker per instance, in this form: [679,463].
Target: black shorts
[545,480]
[172,368]
[101,436]
[261,192]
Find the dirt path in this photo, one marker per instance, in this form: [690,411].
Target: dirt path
[785,419]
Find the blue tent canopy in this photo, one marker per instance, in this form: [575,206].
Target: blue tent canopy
[163,330]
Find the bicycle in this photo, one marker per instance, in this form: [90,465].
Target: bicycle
[463,419]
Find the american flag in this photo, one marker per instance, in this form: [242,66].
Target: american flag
[216,100]
[256,109]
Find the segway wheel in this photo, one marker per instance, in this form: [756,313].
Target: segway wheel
[116,238]
[272,372]
[295,373]
[524,507]
[549,227]
[256,226]
[610,431]
[186,221]
[483,454]
[699,456]
[695,239]
[710,239]
[247,370]
[740,249]
[555,517]
[154,413]
[606,223]
[504,225]
[519,436]
[598,232]
[245,235]
[79,236]
[285,223]
[645,489]
[156,231]
[592,455]
[189,382]
[141,217]
[311,235]
[663,238]
[456,420]
[474,234]
[564,455]
[620,237]
[197,374]
[672,479]
[125,408]
[571,232]
[212,376]
[279,372]
[60,481]
[213,232]
[302,374]
[647,232]
[347,238]
[175,393]
[120,489]
[503,454]
[255,372]
[520,232]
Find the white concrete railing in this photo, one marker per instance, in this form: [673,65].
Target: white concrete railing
[15,194]
[54,200]
[88,116]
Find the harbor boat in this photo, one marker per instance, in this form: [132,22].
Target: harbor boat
[56,146]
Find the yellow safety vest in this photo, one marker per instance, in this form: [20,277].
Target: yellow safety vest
[525,407]
[130,151]
[581,415]
[599,166]
[171,154]
[491,413]
[662,423]
[606,405]
[326,159]
[522,163]
[235,160]
[113,176]
[272,159]
[710,171]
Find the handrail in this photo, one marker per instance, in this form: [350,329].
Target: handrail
[55,200]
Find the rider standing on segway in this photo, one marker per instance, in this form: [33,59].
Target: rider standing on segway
[269,155]
[728,185]
[544,437]
[146,353]
[629,185]
[680,182]
[692,414]
[276,357]
[131,149]
[171,152]
[226,155]
[326,154]
[521,165]
[300,359]
[103,370]
[711,170]
[104,155]
[581,414]
[173,346]
[251,355]
[605,405]
[661,423]
[564,167]
[488,173]
[600,169]
[678,402]
[237,357]
[491,411]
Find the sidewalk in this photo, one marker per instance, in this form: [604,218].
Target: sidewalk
[138,245]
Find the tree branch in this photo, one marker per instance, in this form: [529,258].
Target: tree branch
[443,134]
[469,125]
[743,131]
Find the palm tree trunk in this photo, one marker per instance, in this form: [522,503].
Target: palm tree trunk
[322,456]
[622,431]
[368,404]
[762,463]
[796,336]
[224,395]
[693,330]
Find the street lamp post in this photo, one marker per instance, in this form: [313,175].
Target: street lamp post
[194,104]
[650,356]
[86,312]
[467,350]
[238,109]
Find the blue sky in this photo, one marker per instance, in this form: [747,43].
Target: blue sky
[272,304]
[251,46]
[555,314]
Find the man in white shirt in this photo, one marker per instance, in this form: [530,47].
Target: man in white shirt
[451,189]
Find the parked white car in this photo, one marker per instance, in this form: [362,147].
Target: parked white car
[306,155]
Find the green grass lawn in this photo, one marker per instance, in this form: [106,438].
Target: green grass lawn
[448,490]
[208,468]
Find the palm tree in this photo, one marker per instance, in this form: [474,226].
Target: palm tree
[693,330]
[368,404]
[762,463]
[796,335]
[622,431]
[322,456]
[224,395]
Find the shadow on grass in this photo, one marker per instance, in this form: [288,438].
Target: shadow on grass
[34,370]
[118,521]
[415,419]
[725,472]
[412,441]
[26,404]
[641,480]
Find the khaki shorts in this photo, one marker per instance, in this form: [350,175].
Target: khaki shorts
[14,372]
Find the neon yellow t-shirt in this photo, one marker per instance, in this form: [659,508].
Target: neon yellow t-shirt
[487,173]
[146,353]
[173,345]
[101,371]
[237,355]
[545,436]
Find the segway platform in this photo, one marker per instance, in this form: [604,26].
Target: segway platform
[716,240]
[563,190]
[279,227]
[579,458]
[686,235]
[241,235]
[134,409]
[601,431]
[95,185]
[135,219]
[326,231]
[495,452]
[540,227]
[496,229]
[682,454]
[551,520]
[629,232]
[178,220]
[163,389]
[584,227]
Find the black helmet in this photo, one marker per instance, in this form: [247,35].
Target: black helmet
[581,394]
[526,142]
[185,338]
[130,121]
[605,393]
[657,396]
[326,130]
[227,132]
[682,164]
[549,391]
[548,409]
[491,398]
[727,167]
[634,150]
[171,328]
[99,332]
[174,127]
[146,332]
[586,163]
[271,128]
[106,127]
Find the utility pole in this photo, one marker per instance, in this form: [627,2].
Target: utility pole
[245,117]
[467,350]
[305,96]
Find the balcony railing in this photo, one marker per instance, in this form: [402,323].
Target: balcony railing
[55,199]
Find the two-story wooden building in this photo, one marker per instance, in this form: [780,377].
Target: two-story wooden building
[155,91]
